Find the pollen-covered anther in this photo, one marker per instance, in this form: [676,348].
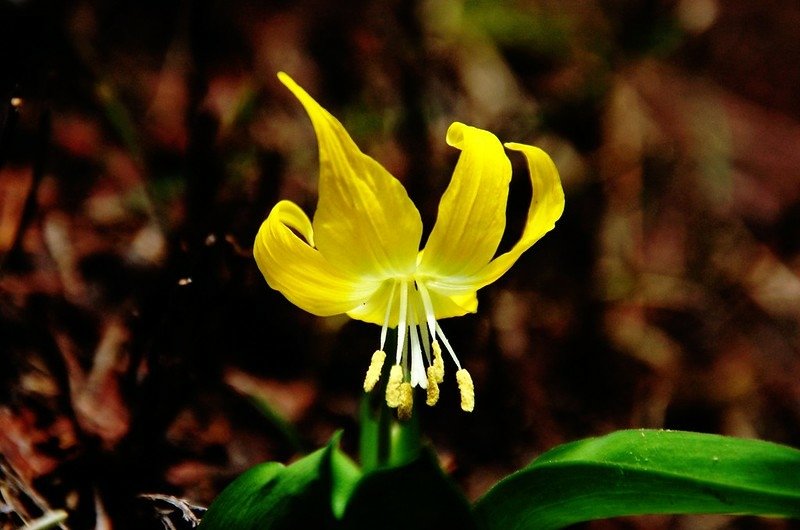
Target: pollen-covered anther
[406,401]
[433,387]
[393,386]
[438,362]
[374,370]
[467,390]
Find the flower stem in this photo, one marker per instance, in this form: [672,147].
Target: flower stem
[375,437]
[385,441]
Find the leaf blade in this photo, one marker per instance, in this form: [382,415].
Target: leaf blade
[646,472]
[310,493]
[416,494]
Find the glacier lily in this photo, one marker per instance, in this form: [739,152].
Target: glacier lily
[361,254]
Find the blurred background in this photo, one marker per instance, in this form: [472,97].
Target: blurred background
[142,144]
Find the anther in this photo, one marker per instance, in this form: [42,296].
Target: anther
[406,401]
[433,387]
[374,370]
[467,390]
[438,362]
[393,386]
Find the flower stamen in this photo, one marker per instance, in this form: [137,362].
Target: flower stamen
[416,333]
[430,316]
[393,386]
[433,387]
[426,343]
[374,370]
[446,342]
[438,361]
[406,401]
[467,390]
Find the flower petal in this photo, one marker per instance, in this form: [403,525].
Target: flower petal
[299,271]
[547,205]
[472,212]
[365,222]
[374,310]
[453,306]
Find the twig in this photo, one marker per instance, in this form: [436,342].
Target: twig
[15,492]
[48,520]
[189,512]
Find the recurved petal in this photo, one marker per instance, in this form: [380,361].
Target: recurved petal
[546,208]
[365,222]
[455,305]
[472,212]
[299,271]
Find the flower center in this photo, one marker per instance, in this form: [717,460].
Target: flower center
[418,357]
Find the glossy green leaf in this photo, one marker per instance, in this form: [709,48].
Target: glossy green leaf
[345,475]
[416,495]
[646,472]
[271,496]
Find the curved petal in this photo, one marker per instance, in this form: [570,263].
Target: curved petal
[299,271]
[445,306]
[546,208]
[365,222]
[472,212]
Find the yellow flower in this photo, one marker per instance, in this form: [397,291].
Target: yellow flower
[361,254]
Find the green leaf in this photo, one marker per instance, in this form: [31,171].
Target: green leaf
[646,472]
[345,475]
[416,495]
[271,496]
